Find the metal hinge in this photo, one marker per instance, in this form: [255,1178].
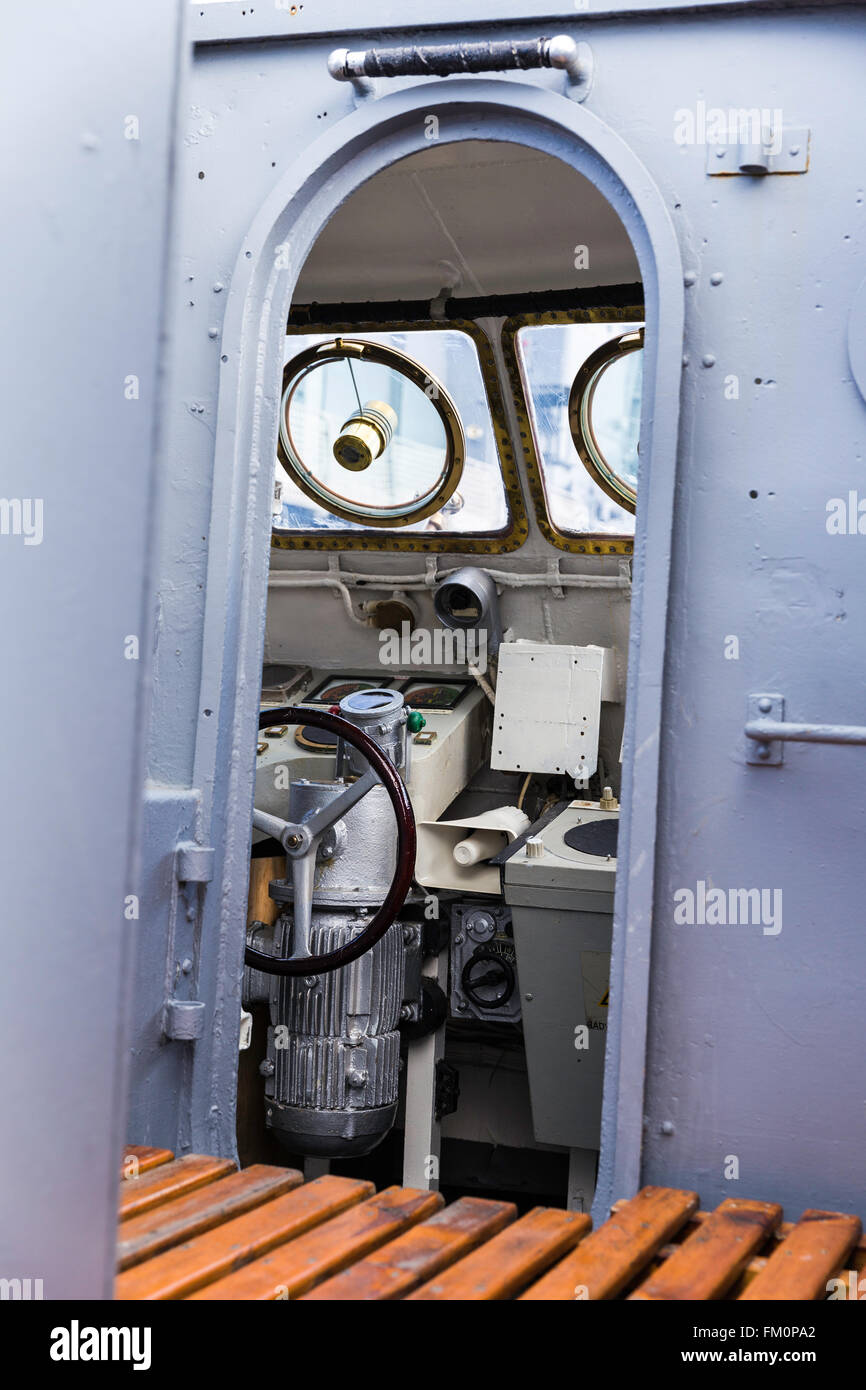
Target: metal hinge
[183,1019]
[193,863]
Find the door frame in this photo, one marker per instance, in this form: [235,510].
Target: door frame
[380,132]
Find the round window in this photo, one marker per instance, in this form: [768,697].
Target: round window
[369,434]
[604,416]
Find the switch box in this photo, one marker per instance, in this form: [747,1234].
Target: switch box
[548,707]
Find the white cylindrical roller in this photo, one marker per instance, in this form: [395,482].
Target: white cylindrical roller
[481,845]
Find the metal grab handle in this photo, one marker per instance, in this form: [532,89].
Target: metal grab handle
[441,60]
[768,731]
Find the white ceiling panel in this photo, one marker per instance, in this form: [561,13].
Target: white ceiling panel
[481,217]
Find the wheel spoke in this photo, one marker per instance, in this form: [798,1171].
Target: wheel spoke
[274,826]
[325,817]
[303,874]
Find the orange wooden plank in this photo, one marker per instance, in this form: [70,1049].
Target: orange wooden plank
[807,1259]
[395,1269]
[147,1235]
[292,1269]
[187,1267]
[139,1158]
[706,1265]
[168,1181]
[511,1260]
[608,1260]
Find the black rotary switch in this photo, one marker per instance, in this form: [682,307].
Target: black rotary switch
[488,978]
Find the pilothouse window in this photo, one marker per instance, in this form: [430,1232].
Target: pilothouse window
[583,390]
[390,430]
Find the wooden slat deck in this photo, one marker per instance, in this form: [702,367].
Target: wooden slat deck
[298,1265]
[168,1181]
[194,1228]
[710,1261]
[140,1159]
[143,1236]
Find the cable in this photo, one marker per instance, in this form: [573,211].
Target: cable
[355,384]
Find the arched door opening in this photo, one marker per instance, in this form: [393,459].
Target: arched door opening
[449,510]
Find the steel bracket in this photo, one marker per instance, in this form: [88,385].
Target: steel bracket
[766,730]
[764,752]
[757,158]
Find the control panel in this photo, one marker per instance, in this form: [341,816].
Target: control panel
[448,733]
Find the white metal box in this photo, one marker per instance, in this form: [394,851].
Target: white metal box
[548,706]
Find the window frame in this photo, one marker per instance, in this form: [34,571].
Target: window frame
[576,543]
[467,543]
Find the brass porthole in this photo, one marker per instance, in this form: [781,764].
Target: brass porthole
[366,440]
[580,418]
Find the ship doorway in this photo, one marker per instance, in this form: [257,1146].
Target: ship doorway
[508,324]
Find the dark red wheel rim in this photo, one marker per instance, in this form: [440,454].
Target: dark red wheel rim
[406,843]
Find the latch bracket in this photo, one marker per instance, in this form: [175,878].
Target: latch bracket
[766,731]
[775,151]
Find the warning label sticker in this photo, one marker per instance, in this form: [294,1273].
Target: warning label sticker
[595,967]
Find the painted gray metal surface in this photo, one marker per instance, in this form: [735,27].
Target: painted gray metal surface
[753,1050]
[755,1058]
[229,354]
[238,21]
[565,1082]
[160,1070]
[770,267]
[88,96]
